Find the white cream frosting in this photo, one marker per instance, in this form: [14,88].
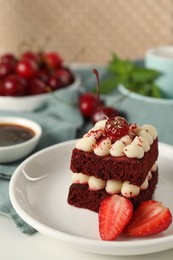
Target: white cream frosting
[96,183]
[112,186]
[133,150]
[139,140]
[151,130]
[146,136]
[101,124]
[117,149]
[103,147]
[86,143]
[126,139]
[154,167]
[96,133]
[129,190]
[145,184]
[133,145]
[134,129]
[80,178]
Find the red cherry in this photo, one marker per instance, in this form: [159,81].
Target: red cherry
[36,86]
[27,69]
[30,55]
[87,103]
[43,75]
[116,127]
[53,59]
[103,112]
[14,86]
[55,83]
[1,90]
[65,76]
[6,69]
[8,58]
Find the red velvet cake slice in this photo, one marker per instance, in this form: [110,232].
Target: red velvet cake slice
[114,157]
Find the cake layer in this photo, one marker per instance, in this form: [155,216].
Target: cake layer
[117,168]
[80,196]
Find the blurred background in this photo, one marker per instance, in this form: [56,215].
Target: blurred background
[86,31]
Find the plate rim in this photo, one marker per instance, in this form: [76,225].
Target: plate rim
[82,243]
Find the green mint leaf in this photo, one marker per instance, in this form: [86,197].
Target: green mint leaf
[142,75]
[133,76]
[120,67]
[155,91]
[108,85]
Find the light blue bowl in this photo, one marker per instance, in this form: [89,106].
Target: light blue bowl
[123,90]
[161,59]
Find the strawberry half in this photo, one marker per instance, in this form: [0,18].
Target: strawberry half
[114,214]
[151,217]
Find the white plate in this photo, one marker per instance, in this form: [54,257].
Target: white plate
[39,189]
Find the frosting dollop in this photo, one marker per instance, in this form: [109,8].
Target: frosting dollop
[129,190]
[134,150]
[103,147]
[86,144]
[117,149]
[80,178]
[96,183]
[113,186]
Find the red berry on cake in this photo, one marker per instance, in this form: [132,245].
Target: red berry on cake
[150,218]
[114,214]
[116,127]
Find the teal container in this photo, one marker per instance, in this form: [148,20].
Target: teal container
[161,59]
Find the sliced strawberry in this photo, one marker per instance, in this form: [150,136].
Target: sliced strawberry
[114,214]
[151,217]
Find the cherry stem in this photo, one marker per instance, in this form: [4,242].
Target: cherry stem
[98,91]
[98,85]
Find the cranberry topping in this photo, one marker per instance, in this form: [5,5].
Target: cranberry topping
[116,127]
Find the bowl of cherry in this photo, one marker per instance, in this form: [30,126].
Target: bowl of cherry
[26,82]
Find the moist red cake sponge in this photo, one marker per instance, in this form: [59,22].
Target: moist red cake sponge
[114,157]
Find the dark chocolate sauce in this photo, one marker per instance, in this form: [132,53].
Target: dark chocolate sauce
[11,134]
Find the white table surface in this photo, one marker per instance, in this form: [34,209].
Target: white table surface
[17,246]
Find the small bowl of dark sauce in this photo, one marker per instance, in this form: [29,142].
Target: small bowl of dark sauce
[18,138]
